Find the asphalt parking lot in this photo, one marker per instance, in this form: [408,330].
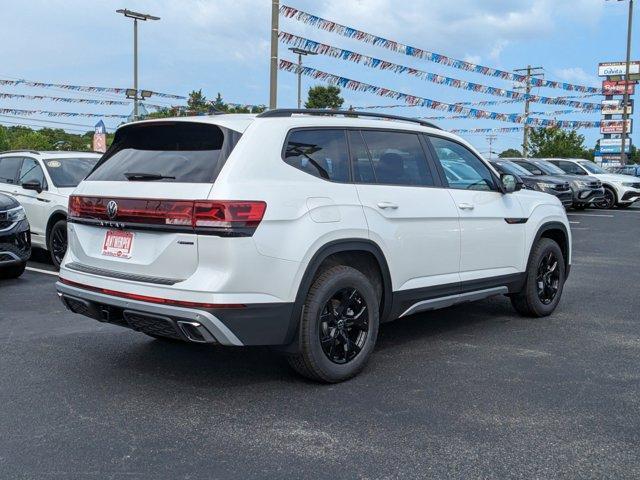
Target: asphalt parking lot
[468,392]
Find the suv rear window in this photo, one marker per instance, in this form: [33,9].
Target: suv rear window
[170,151]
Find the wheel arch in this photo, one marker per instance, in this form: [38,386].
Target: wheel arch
[613,189]
[340,249]
[556,231]
[55,216]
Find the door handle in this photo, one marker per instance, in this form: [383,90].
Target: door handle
[465,206]
[387,205]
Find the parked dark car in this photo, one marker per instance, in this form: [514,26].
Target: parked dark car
[548,184]
[15,238]
[586,190]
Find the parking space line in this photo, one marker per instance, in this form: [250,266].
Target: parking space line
[39,270]
[577,223]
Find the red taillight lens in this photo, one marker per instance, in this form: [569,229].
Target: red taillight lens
[217,216]
[228,214]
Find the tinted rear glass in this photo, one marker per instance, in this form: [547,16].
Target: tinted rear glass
[177,151]
[69,172]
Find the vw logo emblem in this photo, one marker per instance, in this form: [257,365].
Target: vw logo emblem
[112,209]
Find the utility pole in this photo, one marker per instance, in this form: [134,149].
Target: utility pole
[300,53]
[491,138]
[531,72]
[273,80]
[625,101]
[135,16]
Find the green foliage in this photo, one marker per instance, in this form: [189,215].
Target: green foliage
[510,153]
[197,103]
[555,142]
[4,139]
[19,137]
[324,97]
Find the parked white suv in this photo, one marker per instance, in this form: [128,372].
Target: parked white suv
[302,230]
[619,190]
[42,183]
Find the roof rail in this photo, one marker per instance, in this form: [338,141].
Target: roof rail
[288,112]
[22,150]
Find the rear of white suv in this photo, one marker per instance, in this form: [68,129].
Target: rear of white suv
[302,232]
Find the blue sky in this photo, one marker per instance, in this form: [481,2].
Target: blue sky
[223,46]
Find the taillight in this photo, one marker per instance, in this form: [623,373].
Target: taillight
[218,217]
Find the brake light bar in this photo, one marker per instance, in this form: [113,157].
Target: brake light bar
[225,217]
[146,298]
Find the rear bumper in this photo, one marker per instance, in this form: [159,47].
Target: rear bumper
[257,324]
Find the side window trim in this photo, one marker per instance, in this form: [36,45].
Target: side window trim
[352,169]
[496,180]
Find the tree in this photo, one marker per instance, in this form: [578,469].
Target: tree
[510,153]
[324,97]
[197,103]
[554,142]
[4,139]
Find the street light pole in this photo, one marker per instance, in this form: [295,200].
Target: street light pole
[135,68]
[300,53]
[136,16]
[273,74]
[625,101]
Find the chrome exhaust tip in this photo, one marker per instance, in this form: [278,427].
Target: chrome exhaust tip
[196,332]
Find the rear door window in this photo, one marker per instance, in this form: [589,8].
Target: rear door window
[321,153]
[397,158]
[9,167]
[167,152]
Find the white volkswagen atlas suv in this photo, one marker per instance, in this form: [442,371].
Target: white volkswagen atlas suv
[302,230]
[619,190]
[42,183]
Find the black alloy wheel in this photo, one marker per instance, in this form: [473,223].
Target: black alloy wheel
[338,325]
[608,201]
[548,278]
[544,280]
[344,325]
[58,242]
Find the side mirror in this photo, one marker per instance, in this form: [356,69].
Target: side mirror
[32,185]
[510,183]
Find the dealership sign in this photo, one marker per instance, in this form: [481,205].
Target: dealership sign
[614,107]
[614,126]
[615,69]
[611,87]
[614,148]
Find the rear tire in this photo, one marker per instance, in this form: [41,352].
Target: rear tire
[544,282]
[12,272]
[57,242]
[582,206]
[339,326]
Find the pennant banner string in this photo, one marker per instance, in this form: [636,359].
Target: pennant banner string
[80,88]
[349,32]
[355,85]
[15,111]
[75,100]
[371,62]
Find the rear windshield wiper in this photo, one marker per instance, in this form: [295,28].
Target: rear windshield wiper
[146,176]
